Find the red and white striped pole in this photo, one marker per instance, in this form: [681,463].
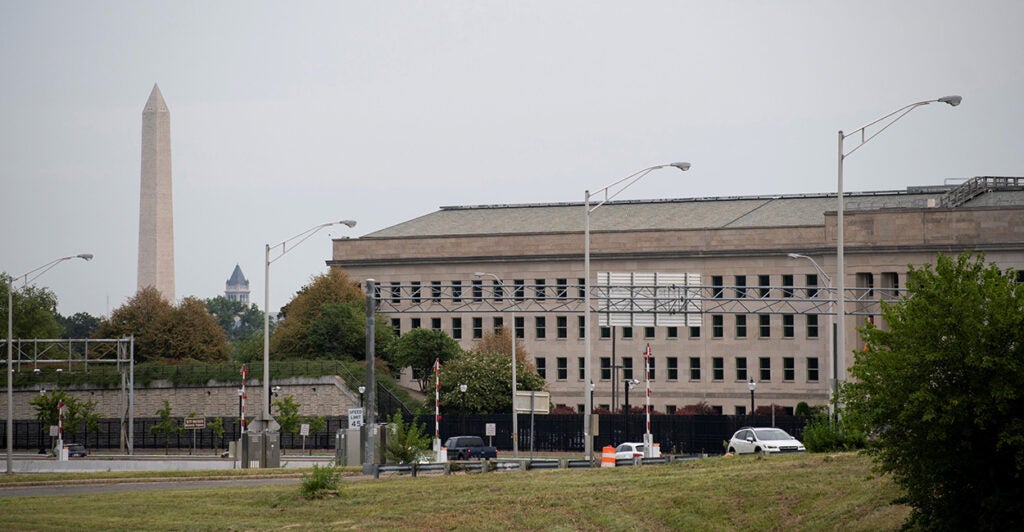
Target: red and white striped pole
[437,408]
[241,412]
[648,439]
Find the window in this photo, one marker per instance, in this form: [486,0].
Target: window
[540,326]
[457,328]
[812,369]
[478,328]
[562,364]
[740,410]
[650,368]
[627,368]
[672,332]
[627,332]
[562,326]
[717,325]
[396,292]
[542,367]
[606,368]
[582,367]
[457,291]
[812,285]
[520,327]
[718,368]
[435,324]
[716,287]
[478,290]
[581,284]
[496,290]
[741,368]
[672,366]
[694,368]
[787,285]
[741,326]
[581,327]
[788,369]
[765,365]
[606,332]
[670,409]
[561,288]
[497,323]
[890,287]
[415,291]
[648,332]
[765,325]
[788,327]
[396,325]
[435,291]
[519,290]
[694,332]
[866,284]
[414,323]
[812,325]
[741,286]
[764,283]
[540,289]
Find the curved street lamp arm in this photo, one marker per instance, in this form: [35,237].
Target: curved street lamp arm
[49,266]
[303,236]
[898,114]
[629,180]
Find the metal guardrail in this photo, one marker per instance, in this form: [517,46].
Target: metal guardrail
[484,466]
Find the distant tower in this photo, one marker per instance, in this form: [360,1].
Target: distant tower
[237,287]
[156,216]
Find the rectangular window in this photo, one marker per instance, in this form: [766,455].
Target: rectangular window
[627,368]
[764,283]
[788,326]
[562,367]
[414,323]
[788,369]
[787,285]
[741,368]
[497,291]
[740,410]
[650,368]
[765,325]
[672,332]
[606,332]
[606,368]
[694,332]
[581,285]
[520,326]
[812,325]
[890,287]
[741,286]
[561,288]
[457,291]
[540,289]
[435,324]
[716,287]
[396,292]
[672,366]
[457,328]
[562,326]
[694,368]
[648,332]
[765,365]
[718,368]
[497,323]
[741,326]
[519,290]
[812,285]
[478,290]
[717,325]
[540,326]
[435,291]
[581,326]
[396,325]
[542,367]
[670,409]
[582,368]
[812,369]
[627,332]
[478,329]
[415,291]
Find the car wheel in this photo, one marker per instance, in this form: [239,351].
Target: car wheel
[757,450]
[732,451]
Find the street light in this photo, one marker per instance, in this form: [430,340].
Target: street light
[751,385]
[626,182]
[241,423]
[266,306]
[831,332]
[462,413]
[515,383]
[10,345]
[889,120]
[362,390]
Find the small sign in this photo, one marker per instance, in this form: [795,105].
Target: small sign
[490,429]
[355,418]
[195,423]
[54,431]
[304,429]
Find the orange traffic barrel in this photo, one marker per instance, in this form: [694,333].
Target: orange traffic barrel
[608,456]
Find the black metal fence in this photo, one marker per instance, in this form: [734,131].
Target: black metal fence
[548,433]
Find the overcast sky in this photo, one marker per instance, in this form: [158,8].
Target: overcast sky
[288,115]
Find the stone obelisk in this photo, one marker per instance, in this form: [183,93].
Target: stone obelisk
[156,215]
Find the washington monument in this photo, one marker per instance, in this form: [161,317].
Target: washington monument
[156,215]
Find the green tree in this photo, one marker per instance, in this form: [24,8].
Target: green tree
[288,414]
[216,427]
[78,413]
[941,388]
[406,442]
[419,348]
[195,334]
[78,325]
[35,310]
[167,425]
[488,378]
[237,320]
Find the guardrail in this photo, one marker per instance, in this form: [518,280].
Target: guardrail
[486,466]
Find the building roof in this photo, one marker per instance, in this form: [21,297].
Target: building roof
[679,214]
[237,278]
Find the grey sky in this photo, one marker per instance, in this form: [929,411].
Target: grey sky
[284,116]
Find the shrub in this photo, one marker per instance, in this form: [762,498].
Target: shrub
[321,482]
[822,434]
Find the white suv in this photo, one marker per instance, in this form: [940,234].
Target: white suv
[764,440]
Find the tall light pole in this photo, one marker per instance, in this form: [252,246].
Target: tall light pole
[10,345]
[515,383]
[622,184]
[752,385]
[888,120]
[266,304]
[831,332]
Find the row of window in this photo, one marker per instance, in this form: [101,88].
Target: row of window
[695,369]
[542,330]
[738,410]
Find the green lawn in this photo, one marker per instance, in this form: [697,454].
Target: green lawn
[805,492]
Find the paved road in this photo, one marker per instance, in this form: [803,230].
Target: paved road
[92,488]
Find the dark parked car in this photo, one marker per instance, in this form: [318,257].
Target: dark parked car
[469,447]
[77,450]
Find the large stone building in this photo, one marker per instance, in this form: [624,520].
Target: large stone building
[763,315]
[237,287]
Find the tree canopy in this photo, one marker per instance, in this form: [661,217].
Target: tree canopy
[78,325]
[940,386]
[419,348]
[488,380]
[238,321]
[35,310]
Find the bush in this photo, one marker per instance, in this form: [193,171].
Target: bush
[822,434]
[321,482]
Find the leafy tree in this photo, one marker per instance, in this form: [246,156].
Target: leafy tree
[78,325]
[35,310]
[78,413]
[216,427]
[288,414]
[167,425]
[195,334]
[942,390]
[406,442]
[500,342]
[237,320]
[419,348]
[488,377]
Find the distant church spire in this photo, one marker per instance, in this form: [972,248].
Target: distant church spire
[237,287]
[156,222]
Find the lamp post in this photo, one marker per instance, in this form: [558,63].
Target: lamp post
[888,120]
[301,237]
[241,424]
[362,390]
[10,345]
[462,413]
[623,184]
[515,382]
[751,385]
[831,333]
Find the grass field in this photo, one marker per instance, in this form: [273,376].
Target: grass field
[798,492]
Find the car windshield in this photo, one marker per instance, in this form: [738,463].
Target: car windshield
[772,434]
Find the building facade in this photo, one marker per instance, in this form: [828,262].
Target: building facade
[237,287]
[756,313]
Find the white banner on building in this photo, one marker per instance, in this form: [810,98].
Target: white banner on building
[639,299]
